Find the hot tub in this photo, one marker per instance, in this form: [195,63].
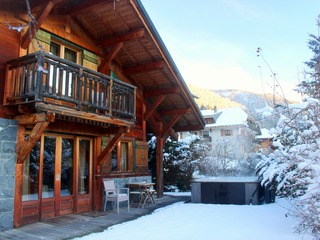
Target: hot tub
[226,190]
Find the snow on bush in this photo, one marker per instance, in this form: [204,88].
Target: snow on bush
[292,168]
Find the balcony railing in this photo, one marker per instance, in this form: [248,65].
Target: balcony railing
[42,77]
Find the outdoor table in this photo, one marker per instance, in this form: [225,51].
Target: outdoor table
[145,191]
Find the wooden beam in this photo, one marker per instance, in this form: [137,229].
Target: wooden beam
[179,111]
[111,55]
[169,125]
[108,149]
[25,149]
[90,46]
[85,6]
[35,118]
[118,71]
[141,68]
[188,128]
[126,37]
[174,134]
[18,180]
[40,18]
[84,115]
[161,91]
[83,27]
[152,108]
[159,162]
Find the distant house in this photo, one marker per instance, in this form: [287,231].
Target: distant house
[264,140]
[230,126]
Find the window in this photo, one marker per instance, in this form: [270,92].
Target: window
[227,132]
[62,51]
[121,157]
[31,167]
[205,133]
[62,78]
[209,120]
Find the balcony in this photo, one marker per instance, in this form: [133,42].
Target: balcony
[49,82]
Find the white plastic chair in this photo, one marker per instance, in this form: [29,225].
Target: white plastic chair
[114,194]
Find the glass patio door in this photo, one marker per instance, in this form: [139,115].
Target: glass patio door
[57,177]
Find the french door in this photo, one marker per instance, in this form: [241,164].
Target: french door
[57,177]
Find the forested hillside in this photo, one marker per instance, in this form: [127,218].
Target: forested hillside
[208,99]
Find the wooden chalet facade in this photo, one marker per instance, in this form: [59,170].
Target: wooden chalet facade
[84,82]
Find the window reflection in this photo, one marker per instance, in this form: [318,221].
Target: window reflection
[48,167]
[83,171]
[66,167]
[30,181]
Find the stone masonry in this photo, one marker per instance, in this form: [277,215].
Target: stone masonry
[8,139]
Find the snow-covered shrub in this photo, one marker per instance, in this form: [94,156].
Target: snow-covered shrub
[180,161]
[292,168]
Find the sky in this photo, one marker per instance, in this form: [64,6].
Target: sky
[214,42]
[208,221]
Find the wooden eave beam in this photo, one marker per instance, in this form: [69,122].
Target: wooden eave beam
[179,111]
[152,108]
[40,18]
[111,55]
[85,6]
[188,128]
[159,45]
[108,149]
[82,27]
[148,67]
[123,38]
[118,71]
[161,91]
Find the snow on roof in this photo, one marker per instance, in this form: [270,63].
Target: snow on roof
[227,117]
[264,134]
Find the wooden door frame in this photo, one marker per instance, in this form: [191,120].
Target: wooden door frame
[41,203]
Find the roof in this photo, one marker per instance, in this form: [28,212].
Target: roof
[124,31]
[264,134]
[227,117]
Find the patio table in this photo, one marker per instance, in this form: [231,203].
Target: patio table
[145,192]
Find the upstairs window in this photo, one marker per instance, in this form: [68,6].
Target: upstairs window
[226,132]
[209,120]
[64,52]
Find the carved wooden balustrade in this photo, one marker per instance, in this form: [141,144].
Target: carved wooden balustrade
[42,77]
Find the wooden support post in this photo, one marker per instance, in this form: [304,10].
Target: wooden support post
[144,123]
[17,195]
[18,182]
[97,194]
[159,161]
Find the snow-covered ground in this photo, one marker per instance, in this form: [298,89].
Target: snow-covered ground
[208,221]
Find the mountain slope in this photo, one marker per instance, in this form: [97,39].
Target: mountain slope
[206,99]
[209,99]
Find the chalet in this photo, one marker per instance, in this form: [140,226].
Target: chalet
[230,126]
[81,85]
